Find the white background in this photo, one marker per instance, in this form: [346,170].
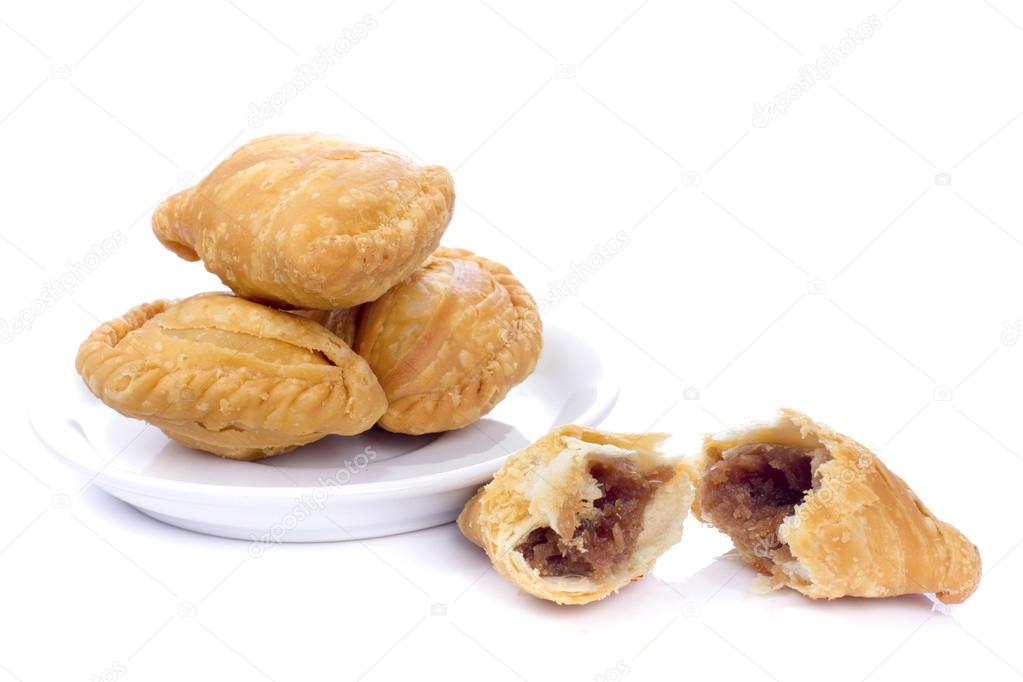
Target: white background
[816,262]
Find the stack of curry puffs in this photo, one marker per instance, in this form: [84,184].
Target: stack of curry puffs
[346,312]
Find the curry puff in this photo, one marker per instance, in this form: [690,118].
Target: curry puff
[449,342]
[580,513]
[816,511]
[231,377]
[310,221]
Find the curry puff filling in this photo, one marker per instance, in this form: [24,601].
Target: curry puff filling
[607,534]
[750,491]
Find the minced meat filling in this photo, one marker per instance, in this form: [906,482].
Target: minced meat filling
[752,488]
[608,535]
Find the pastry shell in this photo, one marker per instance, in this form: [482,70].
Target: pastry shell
[449,342]
[860,530]
[310,221]
[547,484]
[229,376]
[342,322]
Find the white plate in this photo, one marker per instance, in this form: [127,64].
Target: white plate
[338,488]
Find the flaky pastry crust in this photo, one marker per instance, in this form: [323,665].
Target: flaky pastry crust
[342,322]
[549,485]
[310,221]
[449,342]
[231,377]
[859,530]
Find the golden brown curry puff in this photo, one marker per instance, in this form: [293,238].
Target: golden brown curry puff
[310,221]
[449,342]
[816,511]
[580,513]
[231,377]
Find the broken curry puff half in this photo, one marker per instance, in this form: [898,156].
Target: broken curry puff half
[310,220]
[580,513]
[816,511]
[231,377]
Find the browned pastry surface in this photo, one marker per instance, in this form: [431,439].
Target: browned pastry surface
[343,322]
[816,511]
[449,342]
[580,513]
[232,377]
[310,221]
